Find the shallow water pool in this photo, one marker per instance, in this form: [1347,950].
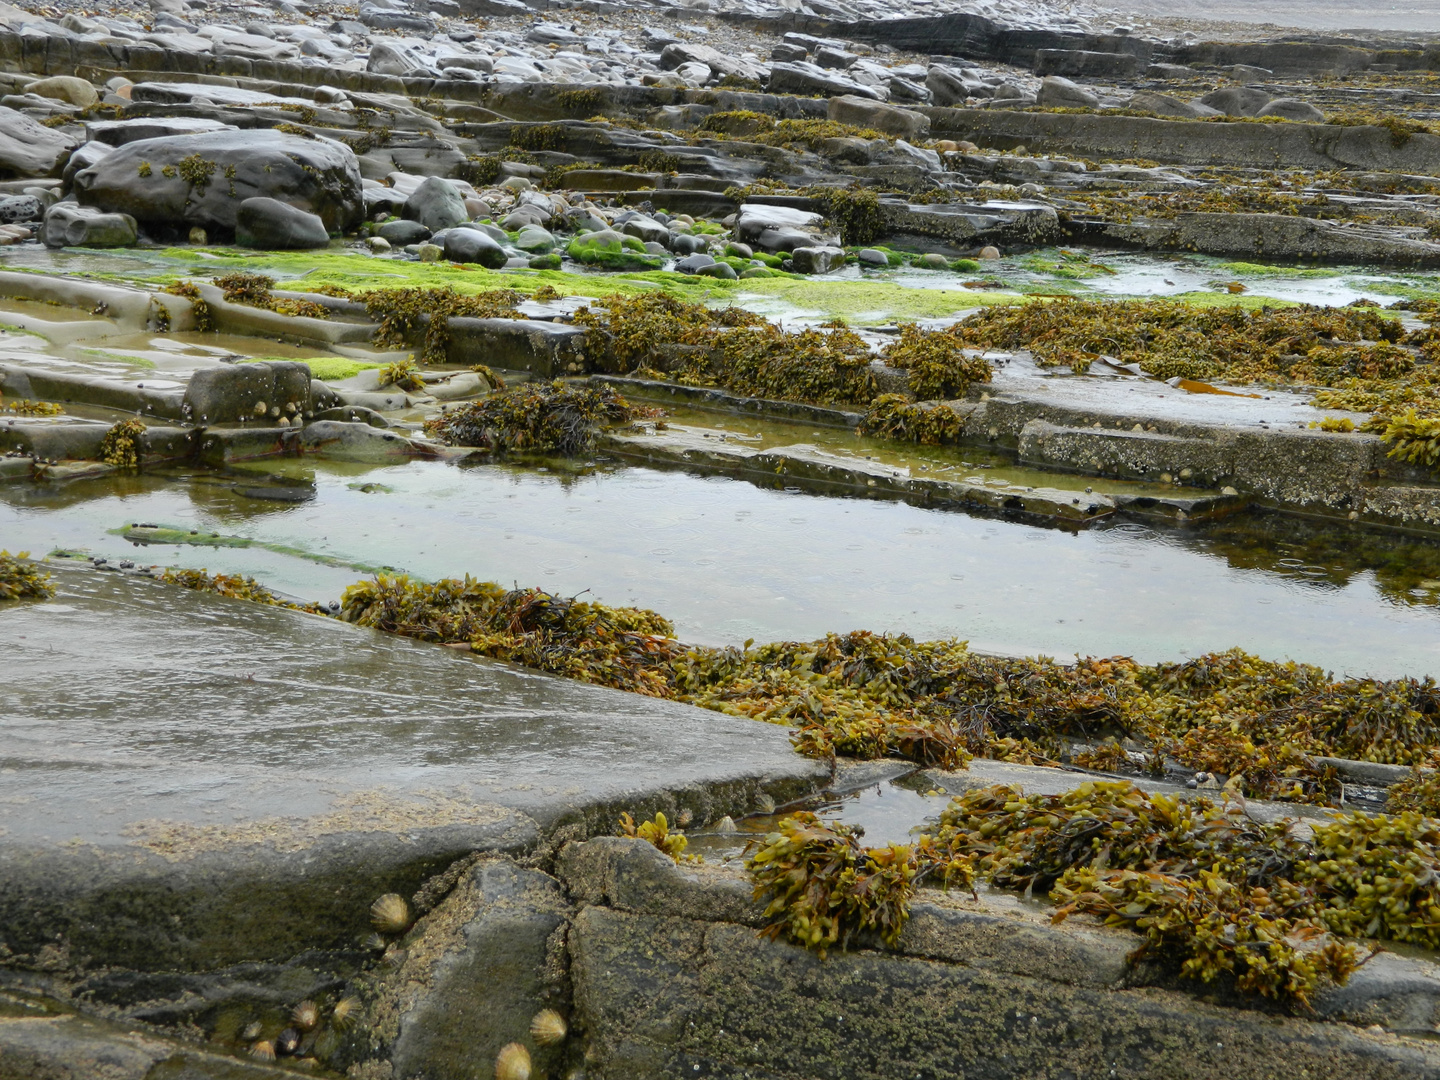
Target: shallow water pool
[728,561]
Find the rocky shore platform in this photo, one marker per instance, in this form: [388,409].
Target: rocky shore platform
[242,840]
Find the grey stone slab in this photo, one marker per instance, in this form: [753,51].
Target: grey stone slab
[192,781]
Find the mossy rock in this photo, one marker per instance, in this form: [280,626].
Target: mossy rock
[612,252]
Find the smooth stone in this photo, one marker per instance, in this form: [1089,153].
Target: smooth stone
[317,175]
[65,88]
[272,225]
[473,246]
[403,231]
[692,264]
[718,270]
[15,208]
[872,258]
[817,260]
[1293,109]
[28,148]
[535,239]
[437,204]
[1057,91]
[68,225]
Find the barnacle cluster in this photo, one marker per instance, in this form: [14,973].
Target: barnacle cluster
[123,444]
[310,1031]
[20,580]
[658,832]
[537,417]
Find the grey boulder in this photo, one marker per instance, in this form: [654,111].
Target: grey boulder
[1237,100]
[1166,105]
[68,225]
[28,148]
[817,260]
[1293,109]
[188,180]
[863,112]
[473,246]
[437,204]
[271,225]
[255,392]
[402,231]
[1059,92]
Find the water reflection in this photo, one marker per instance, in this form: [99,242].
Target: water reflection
[728,560]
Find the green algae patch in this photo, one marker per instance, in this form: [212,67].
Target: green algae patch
[167,534]
[871,302]
[119,358]
[1249,269]
[324,368]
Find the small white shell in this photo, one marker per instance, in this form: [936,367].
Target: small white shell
[263,1051]
[726,825]
[512,1063]
[390,914]
[548,1027]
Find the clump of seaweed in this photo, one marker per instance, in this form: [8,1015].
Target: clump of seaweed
[408,315]
[204,318]
[234,586]
[1413,439]
[535,417]
[627,648]
[940,366]
[20,580]
[25,407]
[255,290]
[823,889]
[1420,791]
[894,416]
[404,374]
[123,445]
[657,832]
[1213,891]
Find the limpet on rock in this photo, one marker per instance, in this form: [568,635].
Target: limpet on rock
[390,914]
[512,1063]
[548,1027]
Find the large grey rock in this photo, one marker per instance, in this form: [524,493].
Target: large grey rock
[66,88]
[1166,105]
[646,229]
[437,204]
[384,18]
[684,52]
[817,260]
[201,782]
[781,228]
[1059,92]
[802,77]
[1237,100]
[1292,109]
[473,246]
[202,179]
[535,239]
[387,58]
[28,148]
[1117,65]
[82,157]
[251,392]
[477,970]
[68,225]
[120,132]
[949,86]
[272,225]
[402,231]
[864,112]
